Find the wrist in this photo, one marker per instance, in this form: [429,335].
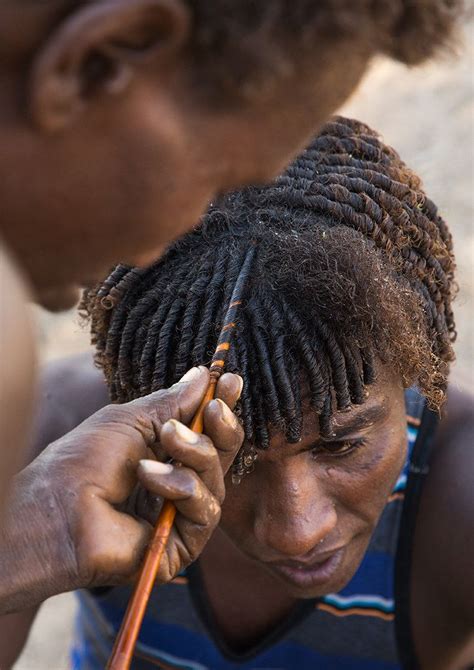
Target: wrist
[37,557]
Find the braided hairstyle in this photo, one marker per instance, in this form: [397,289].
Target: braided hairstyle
[353,266]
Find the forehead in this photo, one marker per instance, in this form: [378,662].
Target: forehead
[374,410]
[384,404]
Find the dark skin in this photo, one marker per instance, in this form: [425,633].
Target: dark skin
[16,397]
[117,128]
[99,464]
[111,147]
[113,140]
[305,501]
[327,495]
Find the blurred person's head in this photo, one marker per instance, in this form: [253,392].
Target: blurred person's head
[121,119]
[347,303]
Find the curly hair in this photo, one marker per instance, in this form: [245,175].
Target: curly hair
[410,31]
[353,266]
[244,43]
[230,40]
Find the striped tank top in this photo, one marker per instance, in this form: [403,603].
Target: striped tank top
[365,626]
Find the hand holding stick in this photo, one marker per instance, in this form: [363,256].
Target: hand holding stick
[122,652]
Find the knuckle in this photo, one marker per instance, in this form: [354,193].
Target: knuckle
[101,561]
[196,541]
[211,514]
[167,405]
[216,511]
[167,572]
[125,420]
[193,551]
[220,491]
[115,413]
[195,487]
[154,410]
[101,557]
[209,451]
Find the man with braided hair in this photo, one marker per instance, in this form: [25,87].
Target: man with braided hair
[345,539]
[119,120]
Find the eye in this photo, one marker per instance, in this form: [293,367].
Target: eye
[338,449]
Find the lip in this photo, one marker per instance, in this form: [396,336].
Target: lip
[308,575]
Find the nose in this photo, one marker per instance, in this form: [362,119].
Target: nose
[293,517]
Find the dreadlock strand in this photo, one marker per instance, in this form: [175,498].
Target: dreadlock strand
[271,401]
[208,328]
[148,355]
[338,365]
[355,373]
[307,322]
[162,375]
[295,426]
[242,365]
[117,274]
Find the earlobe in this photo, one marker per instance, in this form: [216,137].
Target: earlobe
[98,50]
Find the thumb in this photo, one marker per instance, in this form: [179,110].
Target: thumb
[181,401]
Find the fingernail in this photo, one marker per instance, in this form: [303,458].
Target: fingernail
[156,467]
[184,433]
[191,375]
[241,385]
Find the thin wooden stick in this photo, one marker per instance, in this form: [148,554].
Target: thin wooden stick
[124,646]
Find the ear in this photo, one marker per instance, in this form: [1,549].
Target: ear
[98,49]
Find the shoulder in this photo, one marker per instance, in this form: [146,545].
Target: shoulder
[449,495]
[69,390]
[17,350]
[442,578]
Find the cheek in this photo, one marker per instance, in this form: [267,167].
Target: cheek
[364,485]
[233,512]
[387,468]
[168,214]
[155,190]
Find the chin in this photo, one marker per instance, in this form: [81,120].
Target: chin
[319,579]
[305,587]
[58,299]
[316,591]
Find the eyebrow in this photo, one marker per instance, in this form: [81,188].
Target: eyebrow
[367,416]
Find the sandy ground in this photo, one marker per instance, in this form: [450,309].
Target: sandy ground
[427,114]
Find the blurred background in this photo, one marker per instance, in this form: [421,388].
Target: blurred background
[427,114]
